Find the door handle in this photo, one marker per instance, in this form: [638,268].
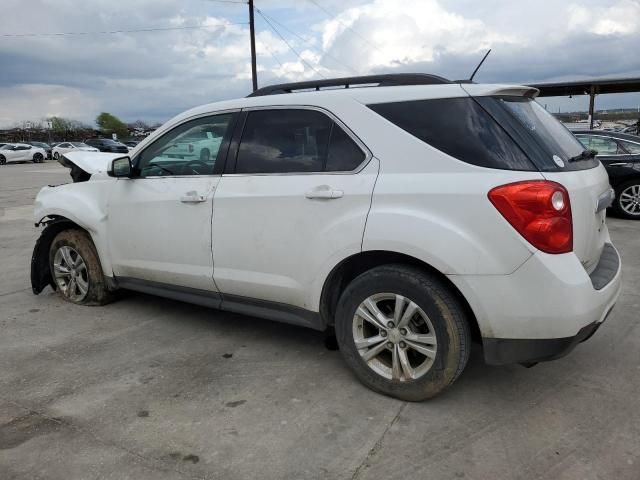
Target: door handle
[324,192]
[193,197]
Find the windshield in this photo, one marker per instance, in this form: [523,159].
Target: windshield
[80,145]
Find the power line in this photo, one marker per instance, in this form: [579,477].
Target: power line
[107,32]
[306,41]
[335,17]
[288,45]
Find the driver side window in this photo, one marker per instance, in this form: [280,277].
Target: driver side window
[191,148]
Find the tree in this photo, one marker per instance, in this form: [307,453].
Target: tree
[109,124]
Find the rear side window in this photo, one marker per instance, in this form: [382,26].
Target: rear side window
[458,127]
[295,141]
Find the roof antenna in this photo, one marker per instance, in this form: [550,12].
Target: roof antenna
[479,65]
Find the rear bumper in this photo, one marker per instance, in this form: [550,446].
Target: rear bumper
[502,351]
[543,309]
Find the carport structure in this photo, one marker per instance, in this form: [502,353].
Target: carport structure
[589,87]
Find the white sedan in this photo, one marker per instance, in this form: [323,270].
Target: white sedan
[65,147]
[21,152]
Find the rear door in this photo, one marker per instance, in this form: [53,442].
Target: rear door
[293,204]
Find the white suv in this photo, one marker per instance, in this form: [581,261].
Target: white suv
[411,214]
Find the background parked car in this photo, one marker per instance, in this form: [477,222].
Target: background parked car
[620,155]
[45,146]
[107,145]
[64,147]
[21,152]
[131,144]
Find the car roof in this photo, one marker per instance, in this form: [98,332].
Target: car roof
[364,95]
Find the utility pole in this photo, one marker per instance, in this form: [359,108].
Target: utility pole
[252,31]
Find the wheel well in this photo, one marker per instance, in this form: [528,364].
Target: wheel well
[351,267]
[40,271]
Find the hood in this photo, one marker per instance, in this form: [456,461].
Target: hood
[90,162]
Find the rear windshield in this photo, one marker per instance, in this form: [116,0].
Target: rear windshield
[507,133]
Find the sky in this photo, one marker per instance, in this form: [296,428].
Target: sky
[192,52]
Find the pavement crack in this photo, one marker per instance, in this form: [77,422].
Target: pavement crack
[378,445]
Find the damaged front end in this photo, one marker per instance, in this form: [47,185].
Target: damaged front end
[78,205]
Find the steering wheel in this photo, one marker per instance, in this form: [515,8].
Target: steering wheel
[195,167]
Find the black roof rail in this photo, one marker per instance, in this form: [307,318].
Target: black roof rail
[385,80]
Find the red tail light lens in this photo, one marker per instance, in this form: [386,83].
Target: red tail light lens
[539,210]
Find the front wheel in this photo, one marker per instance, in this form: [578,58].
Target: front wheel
[56,156]
[38,158]
[76,269]
[627,203]
[402,332]
[3,160]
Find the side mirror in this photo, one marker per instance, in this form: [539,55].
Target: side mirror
[120,167]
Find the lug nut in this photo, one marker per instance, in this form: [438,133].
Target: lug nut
[403,331]
[390,324]
[403,345]
[383,334]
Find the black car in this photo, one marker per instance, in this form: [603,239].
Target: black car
[45,146]
[107,145]
[620,155]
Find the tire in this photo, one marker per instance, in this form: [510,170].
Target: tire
[627,202]
[56,156]
[3,160]
[205,154]
[38,158]
[77,243]
[438,314]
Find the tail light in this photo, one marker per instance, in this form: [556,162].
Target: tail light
[539,210]
[190,148]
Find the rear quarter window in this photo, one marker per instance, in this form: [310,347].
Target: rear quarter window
[460,128]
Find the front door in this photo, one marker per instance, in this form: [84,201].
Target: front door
[159,222]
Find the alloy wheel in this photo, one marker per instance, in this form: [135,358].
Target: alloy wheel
[630,200]
[394,337]
[70,273]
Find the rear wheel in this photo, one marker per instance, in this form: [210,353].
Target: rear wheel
[627,203]
[402,332]
[76,269]
[56,155]
[38,158]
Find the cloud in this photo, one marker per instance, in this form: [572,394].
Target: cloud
[154,75]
